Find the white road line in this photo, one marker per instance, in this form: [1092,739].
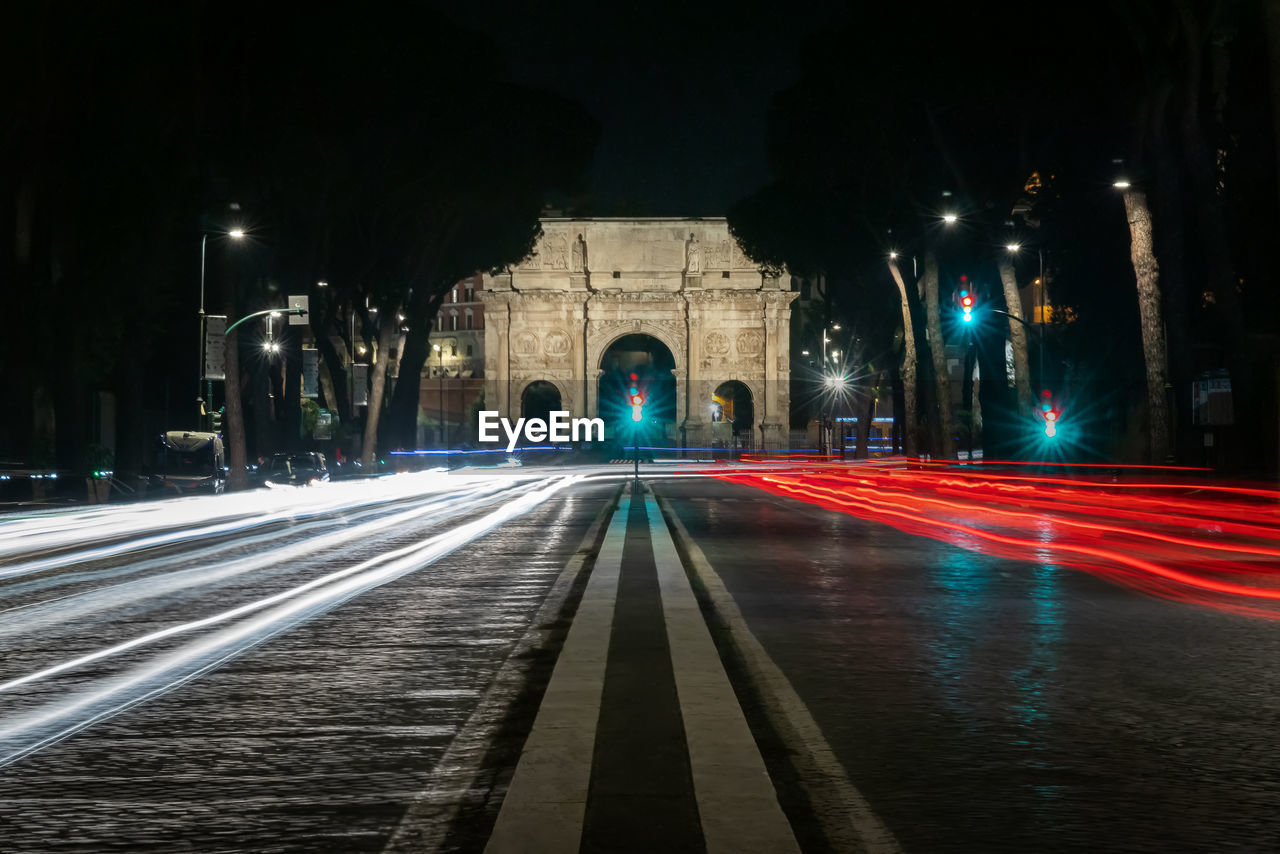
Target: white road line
[847,819]
[736,800]
[545,806]
[425,825]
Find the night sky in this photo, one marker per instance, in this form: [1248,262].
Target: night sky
[681,91]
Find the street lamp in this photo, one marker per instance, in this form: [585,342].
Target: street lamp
[895,255]
[204,387]
[443,430]
[949,218]
[836,384]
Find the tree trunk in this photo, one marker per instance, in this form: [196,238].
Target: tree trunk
[910,420]
[336,393]
[1147,273]
[237,457]
[1018,335]
[402,411]
[387,330]
[938,351]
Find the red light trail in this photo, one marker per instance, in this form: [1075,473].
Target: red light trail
[1209,544]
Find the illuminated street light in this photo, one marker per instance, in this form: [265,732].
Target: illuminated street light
[204,387]
[1122,184]
[1013,247]
[949,219]
[893,256]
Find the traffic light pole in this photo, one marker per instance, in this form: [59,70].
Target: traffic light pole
[294,310]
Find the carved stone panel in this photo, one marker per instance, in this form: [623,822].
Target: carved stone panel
[749,342]
[715,344]
[557,247]
[718,255]
[525,344]
[556,343]
[534,261]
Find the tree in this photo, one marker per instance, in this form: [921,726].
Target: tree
[937,351]
[359,185]
[908,371]
[1146,272]
[1017,333]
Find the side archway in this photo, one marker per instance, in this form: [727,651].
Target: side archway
[539,399]
[733,414]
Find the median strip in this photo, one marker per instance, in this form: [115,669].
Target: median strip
[736,799]
[545,804]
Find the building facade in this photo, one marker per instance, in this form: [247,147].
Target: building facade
[685,284]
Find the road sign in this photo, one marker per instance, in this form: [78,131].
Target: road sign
[1211,400]
[215,353]
[310,372]
[302,302]
[324,425]
[359,385]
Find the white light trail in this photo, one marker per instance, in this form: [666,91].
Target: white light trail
[243,628]
[33,535]
[41,616]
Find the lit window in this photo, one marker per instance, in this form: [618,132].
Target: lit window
[453,321]
[455,294]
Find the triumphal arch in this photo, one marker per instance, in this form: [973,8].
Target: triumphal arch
[684,282]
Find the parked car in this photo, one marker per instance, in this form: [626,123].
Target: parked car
[300,469]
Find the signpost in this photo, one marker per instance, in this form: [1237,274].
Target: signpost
[215,336]
[310,372]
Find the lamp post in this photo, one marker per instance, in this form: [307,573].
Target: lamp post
[204,386]
[444,434]
[915,273]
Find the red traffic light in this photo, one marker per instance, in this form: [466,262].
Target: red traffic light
[1050,412]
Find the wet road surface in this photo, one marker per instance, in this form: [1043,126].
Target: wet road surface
[358,675]
[987,704]
[317,737]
